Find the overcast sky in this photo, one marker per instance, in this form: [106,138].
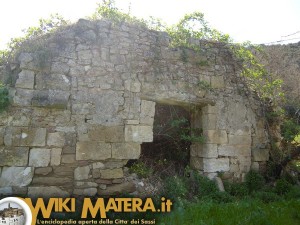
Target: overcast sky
[260,21]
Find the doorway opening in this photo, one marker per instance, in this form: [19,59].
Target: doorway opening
[169,153]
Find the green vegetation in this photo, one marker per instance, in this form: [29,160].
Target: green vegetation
[4,97]
[141,169]
[245,212]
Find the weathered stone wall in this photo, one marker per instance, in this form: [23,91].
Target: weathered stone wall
[84,101]
[284,62]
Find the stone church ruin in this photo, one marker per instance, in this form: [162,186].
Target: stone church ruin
[84,102]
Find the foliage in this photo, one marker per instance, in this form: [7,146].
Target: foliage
[246,212]
[282,186]
[44,27]
[175,187]
[108,10]
[266,196]
[140,169]
[185,132]
[4,97]
[236,189]
[254,181]
[290,129]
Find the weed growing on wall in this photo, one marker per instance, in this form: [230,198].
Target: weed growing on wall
[4,98]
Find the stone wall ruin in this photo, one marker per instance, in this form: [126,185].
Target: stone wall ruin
[84,102]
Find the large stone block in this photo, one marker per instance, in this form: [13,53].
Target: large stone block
[138,134]
[112,173]
[51,99]
[126,150]
[196,163]
[147,112]
[55,156]
[25,80]
[205,150]
[107,134]
[52,181]
[92,150]
[82,173]
[260,154]
[16,176]
[56,139]
[239,139]
[234,150]
[14,156]
[215,136]
[125,187]
[216,165]
[47,192]
[33,137]
[209,121]
[39,157]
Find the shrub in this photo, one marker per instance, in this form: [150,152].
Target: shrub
[4,98]
[140,169]
[237,189]
[266,197]
[202,186]
[254,181]
[220,197]
[282,186]
[175,187]
[294,193]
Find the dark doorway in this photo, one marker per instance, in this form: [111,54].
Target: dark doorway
[169,153]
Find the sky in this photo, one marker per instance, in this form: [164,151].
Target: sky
[258,21]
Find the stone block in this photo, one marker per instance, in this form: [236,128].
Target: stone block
[51,181]
[255,166]
[147,112]
[196,163]
[215,136]
[115,189]
[55,156]
[82,173]
[107,134]
[209,109]
[68,158]
[16,176]
[25,79]
[209,121]
[92,150]
[14,156]
[45,81]
[56,139]
[43,171]
[80,184]
[138,134]
[234,150]
[132,122]
[39,157]
[244,163]
[89,192]
[98,165]
[260,154]
[23,97]
[205,150]
[112,173]
[33,137]
[239,139]
[215,165]
[63,171]
[47,192]
[6,191]
[55,99]
[126,150]
[217,82]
